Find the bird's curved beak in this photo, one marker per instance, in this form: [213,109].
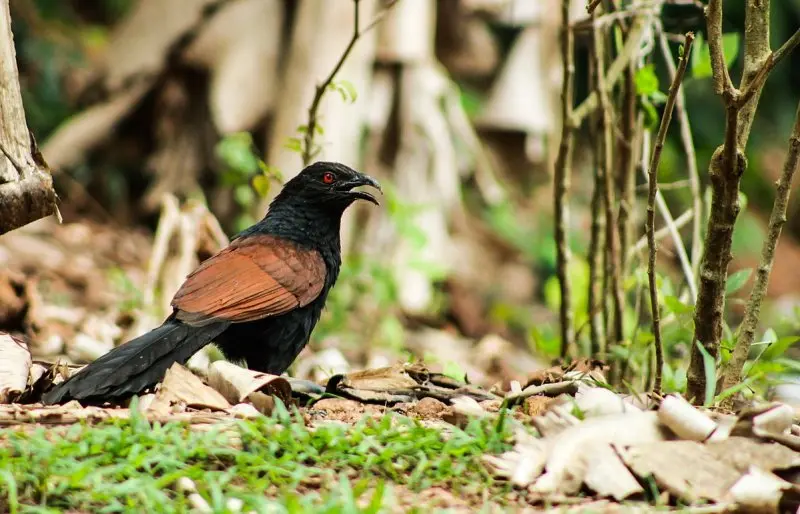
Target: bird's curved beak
[358,181]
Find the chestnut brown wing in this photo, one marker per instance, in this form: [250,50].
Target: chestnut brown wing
[253,278]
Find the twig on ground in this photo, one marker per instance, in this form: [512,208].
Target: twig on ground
[309,152]
[561,176]
[651,211]
[733,371]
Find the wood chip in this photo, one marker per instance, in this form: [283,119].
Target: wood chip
[15,363]
[685,420]
[238,384]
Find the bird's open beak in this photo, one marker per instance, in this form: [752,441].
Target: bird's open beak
[362,180]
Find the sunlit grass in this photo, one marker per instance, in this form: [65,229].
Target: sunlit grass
[271,465]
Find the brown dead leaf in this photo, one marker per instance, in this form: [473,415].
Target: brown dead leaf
[743,452]
[15,363]
[687,469]
[237,384]
[181,386]
[761,492]
[571,457]
[536,405]
[401,383]
[379,379]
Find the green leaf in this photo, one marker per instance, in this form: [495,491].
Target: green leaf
[701,59]
[646,80]
[244,195]
[650,113]
[701,55]
[779,347]
[730,45]
[346,89]
[736,388]
[710,368]
[261,185]
[676,306]
[236,151]
[737,280]
[294,144]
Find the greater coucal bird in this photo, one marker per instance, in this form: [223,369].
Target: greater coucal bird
[258,299]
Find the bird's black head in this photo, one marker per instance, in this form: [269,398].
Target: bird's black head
[329,184]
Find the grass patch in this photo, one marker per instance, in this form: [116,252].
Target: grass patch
[272,465]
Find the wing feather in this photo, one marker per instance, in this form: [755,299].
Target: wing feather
[253,278]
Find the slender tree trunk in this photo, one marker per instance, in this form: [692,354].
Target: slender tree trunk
[26,187]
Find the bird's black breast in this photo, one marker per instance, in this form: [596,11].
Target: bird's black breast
[270,345]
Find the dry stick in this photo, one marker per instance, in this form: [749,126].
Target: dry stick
[607,163]
[309,152]
[561,177]
[597,331]
[651,210]
[691,158]
[614,73]
[661,233]
[733,371]
[632,125]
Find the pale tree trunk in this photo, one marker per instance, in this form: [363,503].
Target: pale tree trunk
[26,187]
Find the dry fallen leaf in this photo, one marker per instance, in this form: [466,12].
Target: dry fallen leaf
[759,491]
[687,469]
[570,451]
[742,453]
[181,386]
[15,363]
[237,384]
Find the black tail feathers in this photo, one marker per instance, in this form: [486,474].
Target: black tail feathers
[140,363]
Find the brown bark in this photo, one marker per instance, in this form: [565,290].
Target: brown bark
[26,187]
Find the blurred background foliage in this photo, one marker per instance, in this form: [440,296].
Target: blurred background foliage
[463,243]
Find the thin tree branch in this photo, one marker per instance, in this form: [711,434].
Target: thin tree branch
[628,145]
[772,61]
[607,163]
[615,71]
[651,211]
[661,233]
[561,177]
[722,79]
[309,151]
[733,371]
[757,54]
[596,299]
[691,158]
[663,210]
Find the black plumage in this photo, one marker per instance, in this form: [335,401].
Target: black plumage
[258,299]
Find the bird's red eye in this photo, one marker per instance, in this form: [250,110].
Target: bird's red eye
[328,178]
